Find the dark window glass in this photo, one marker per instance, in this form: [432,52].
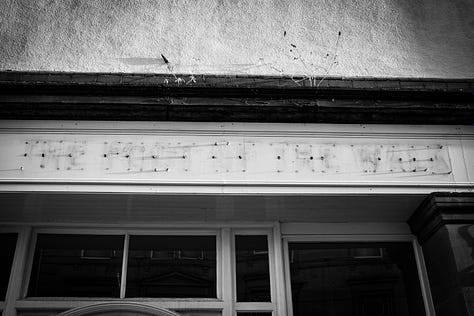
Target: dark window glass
[77,266]
[370,279]
[8,245]
[172,266]
[252,269]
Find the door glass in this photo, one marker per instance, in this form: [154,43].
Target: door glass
[355,279]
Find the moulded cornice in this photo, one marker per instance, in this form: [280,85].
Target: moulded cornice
[237,129]
[204,98]
[439,209]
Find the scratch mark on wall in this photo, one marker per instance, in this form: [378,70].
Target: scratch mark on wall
[141,61]
[311,67]
[333,61]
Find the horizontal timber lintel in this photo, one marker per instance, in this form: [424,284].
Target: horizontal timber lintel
[160,97]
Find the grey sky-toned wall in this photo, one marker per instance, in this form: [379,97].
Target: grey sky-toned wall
[379,38]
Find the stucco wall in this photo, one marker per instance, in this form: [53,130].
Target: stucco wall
[425,38]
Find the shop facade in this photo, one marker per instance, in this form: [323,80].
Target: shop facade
[235,196]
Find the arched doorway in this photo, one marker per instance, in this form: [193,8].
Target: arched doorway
[118,308]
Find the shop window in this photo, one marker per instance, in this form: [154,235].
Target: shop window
[76,266]
[198,268]
[8,242]
[252,268]
[355,279]
[172,266]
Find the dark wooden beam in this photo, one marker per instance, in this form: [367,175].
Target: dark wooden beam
[90,96]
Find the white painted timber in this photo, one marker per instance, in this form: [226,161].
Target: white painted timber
[468,155]
[226,158]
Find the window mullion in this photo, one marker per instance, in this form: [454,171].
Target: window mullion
[423,275]
[287,258]
[279,276]
[123,280]
[227,280]
[14,291]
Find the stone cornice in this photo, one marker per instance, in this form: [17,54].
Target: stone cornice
[439,209]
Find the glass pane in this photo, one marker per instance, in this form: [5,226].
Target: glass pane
[252,269]
[8,242]
[376,279]
[172,266]
[77,266]
[254,314]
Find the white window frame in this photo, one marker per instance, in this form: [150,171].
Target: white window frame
[256,306]
[225,302]
[363,238]
[36,303]
[278,236]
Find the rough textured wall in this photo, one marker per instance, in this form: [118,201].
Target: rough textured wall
[425,38]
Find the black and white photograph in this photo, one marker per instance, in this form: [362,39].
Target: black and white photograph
[237,158]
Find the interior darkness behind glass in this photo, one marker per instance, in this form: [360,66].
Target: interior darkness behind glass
[76,266]
[370,279]
[8,245]
[252,269]
[172,266]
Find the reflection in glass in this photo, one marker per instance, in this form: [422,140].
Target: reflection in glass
[76,266]
[172,266]
[370,279]
[8,242]
[252,269]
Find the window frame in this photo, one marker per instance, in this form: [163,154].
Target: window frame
[362,238]
[54,302]
[16,272]
[278,236]
[225,303]
[249,307]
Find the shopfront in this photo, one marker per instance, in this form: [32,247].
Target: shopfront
[236,158]
[189,218]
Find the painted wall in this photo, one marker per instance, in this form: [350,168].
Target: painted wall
[425,38]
